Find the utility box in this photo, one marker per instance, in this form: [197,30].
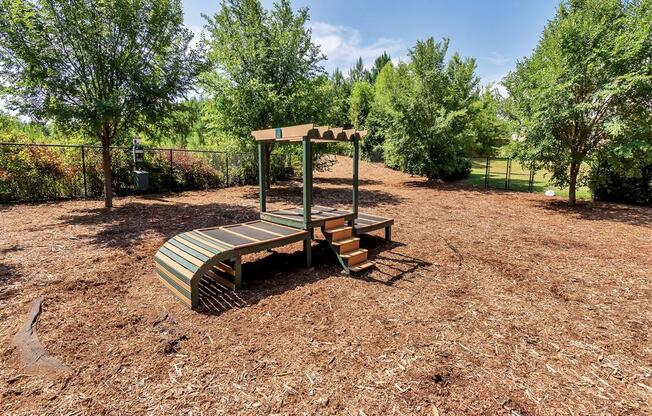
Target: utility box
[141,180]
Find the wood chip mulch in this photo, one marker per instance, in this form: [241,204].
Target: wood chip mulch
[487,302]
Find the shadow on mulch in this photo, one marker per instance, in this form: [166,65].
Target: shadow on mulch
[259,282]
[345,181]
[393,266]
[292,195]
[8,275]
[11,249]
[600,211]
[125,226]
[269,276]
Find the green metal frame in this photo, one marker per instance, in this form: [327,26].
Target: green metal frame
[307,170]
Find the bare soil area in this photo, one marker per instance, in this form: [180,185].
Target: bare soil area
[486,302]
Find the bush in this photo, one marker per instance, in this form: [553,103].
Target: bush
[38,173]
[613,185]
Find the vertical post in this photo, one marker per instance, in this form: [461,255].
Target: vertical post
[307,248]
[227,170]
[261,177]
[508,173]
[307,182]
[356,157]
[486,173]
[83,155]
[237,267]
[171,171]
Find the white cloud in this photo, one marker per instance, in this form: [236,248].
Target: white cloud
[343,45]
[496,59]
[496,82]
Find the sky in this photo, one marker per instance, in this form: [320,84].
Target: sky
[497,33]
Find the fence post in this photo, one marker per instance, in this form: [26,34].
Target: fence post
[508,173]
[486,174]
[83,155]
[171,172]
[227,170]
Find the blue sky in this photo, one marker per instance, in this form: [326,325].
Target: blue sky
[497,33]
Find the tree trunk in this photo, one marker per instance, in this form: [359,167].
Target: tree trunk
[106,167]
[572,182]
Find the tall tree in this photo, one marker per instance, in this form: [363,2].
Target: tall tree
[586,79]
[358,72]
[426,103]
[379,64]
[265,69]
[102,66]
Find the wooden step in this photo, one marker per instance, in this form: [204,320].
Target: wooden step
[362,266]
[346,245]
[336,223]
[337,234]
[354,257]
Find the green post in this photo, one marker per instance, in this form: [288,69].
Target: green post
[356,158]
[261,176]
[307,181]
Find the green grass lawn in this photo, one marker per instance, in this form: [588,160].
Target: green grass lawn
[518,180]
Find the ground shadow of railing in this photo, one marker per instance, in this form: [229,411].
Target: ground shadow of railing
[394,266]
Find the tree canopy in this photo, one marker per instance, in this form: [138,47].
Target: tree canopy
[585,87]
[102,67]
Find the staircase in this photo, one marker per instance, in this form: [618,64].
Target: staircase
[346,247]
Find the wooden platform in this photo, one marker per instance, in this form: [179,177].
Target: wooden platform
[186,258]
[293,217]
[366,223]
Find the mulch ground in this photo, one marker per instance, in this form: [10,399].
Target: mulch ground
[487,302]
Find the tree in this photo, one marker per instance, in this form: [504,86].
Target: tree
[338,112]
[489,129]
[360,102]
[423,111]
[265,69]
[102,67]
[584,83]
[379,64]
[358,72]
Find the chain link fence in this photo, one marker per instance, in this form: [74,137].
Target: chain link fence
[509,174]
[39,172]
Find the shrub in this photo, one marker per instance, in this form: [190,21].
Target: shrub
[611,184]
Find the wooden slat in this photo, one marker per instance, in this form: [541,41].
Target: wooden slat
[181,284]
[185,246]
[225,268]
[232,231]
[210,239]
[373,217]
[286,132]
[197,247]
[221,280]
[175,258]
[173,266]
[183,255]
[175,291]
[279,228]
[260,229]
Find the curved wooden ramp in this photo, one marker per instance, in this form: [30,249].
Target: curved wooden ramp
[216,252]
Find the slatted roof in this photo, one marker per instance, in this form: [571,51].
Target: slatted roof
[311,131]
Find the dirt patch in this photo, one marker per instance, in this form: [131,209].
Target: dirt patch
[487,302]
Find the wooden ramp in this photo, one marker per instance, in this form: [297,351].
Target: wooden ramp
[216,252]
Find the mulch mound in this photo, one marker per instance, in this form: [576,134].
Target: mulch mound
[487,302]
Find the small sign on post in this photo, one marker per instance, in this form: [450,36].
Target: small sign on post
[139,153]
[141,177]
